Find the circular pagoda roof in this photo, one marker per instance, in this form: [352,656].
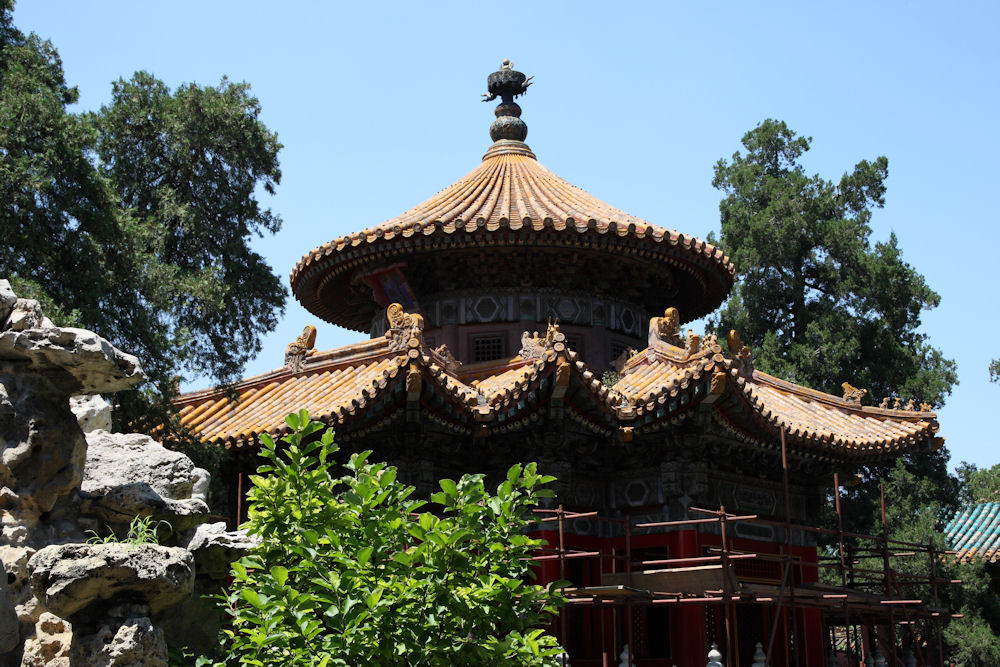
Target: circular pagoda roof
[508,208]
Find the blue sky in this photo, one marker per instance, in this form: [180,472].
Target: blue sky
[377,105]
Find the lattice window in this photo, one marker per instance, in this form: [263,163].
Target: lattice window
[488,348]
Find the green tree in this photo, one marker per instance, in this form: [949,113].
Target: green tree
[995,370]
[816,301]
[352,570]
[54,207]
[979,485]
[821,305]
[184,166]
[135,221]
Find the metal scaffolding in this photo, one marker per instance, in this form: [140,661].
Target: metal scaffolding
[865,598]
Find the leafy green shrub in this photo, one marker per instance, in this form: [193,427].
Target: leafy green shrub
[352,572]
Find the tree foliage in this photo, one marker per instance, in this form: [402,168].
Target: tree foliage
[818,303]
[979,485]
[135,221]
[352,570]
[917,509]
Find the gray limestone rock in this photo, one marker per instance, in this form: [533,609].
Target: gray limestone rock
[7,301]
[121,504]
[215,548]
[9,627]
[127,642]
[42,449]
[75,360]
[69,578]
[202,481]
[27,314]
[92,412]
[50,647]
[196,623]
[120,459]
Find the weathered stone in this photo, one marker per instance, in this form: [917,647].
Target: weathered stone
[75,360]
[50,647]
[7,301]
[127,642]
[42,449]
[202,481]
[9,628]
[122,504]
[92,412]
[15,560]
[27,314]
[215,548]
[69,578]
[121,459]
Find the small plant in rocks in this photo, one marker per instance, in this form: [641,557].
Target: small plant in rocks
[142,530]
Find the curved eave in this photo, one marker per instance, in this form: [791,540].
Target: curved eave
[366,386]
[510,199]
[321,285]
[663,383]
[337,387]
[820,425]
[516,396]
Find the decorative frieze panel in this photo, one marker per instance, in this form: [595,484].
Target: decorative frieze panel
[515,306]
[755,500]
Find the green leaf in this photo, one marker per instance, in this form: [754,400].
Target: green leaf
[280,574]
[513,473]
[251,596]
[403,558]
[449,487]
[371,601]
[364,556]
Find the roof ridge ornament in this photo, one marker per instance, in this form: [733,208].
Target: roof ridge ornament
[300,348]
[507,84]
[405,329]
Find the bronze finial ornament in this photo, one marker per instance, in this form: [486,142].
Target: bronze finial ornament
[507,83]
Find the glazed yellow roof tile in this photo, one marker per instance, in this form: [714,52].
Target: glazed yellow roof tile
[646,381]
[462,392]
[263,408]
[513,190]
[654,375]
[497,386]
[509,199]
[340,383]
[812,415]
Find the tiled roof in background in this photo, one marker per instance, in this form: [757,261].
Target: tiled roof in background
[974,532]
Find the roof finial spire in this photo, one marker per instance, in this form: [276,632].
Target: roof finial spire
[507,83]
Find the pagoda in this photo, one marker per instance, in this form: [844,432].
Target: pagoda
[514,317]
